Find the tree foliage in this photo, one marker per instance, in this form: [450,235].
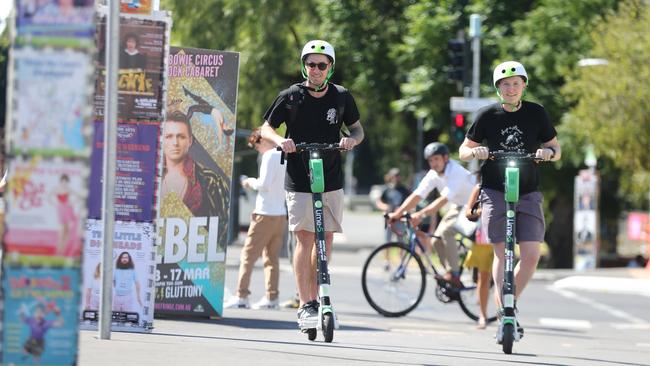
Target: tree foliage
[392,55]
[612,110]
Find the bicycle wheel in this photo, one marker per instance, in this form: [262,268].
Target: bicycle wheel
[468,296]
[393,280]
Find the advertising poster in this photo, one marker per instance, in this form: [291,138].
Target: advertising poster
[40,316]
[41,75]
[142,55]
[133,276]
[585,221]
[135,179]
[46,204]
[135,6]
[198,145]
[56,22]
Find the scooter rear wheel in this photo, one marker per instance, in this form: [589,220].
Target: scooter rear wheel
[311,334]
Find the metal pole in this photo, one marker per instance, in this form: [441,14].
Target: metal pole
[475,33]
[108,168]
[420,147]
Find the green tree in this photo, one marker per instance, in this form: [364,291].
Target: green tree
[612,110]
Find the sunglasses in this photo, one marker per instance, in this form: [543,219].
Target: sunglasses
[321,65]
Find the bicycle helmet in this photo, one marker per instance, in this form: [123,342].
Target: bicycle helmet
[322,47]
[435,148]
[508,69]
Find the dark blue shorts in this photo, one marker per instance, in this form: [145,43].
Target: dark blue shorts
[530,216]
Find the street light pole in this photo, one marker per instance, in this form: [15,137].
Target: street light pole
[475,34]
[108,168]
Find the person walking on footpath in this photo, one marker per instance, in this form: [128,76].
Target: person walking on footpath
[512,125]
[314,112]
[267,227]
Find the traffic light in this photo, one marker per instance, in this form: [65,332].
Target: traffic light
[457,59]
[458,128]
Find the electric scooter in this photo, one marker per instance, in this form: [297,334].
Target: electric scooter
[327,318]
[507,333]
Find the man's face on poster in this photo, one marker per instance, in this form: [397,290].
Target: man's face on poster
[131,44]
[177,141]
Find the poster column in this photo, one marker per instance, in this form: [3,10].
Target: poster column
[142,73]
[198,146]
[585,220]
[50,80]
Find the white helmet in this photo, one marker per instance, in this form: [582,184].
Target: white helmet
[318,46]
[508,69]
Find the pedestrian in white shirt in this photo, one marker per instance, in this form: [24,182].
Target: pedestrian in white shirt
[455,184]
[267,227]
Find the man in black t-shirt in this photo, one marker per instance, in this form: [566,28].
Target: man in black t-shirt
[512,124]
[315,121]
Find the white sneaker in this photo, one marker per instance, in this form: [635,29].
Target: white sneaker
[235,302]
[265,303]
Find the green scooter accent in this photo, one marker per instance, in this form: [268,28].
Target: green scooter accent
[317,177]
[512,184]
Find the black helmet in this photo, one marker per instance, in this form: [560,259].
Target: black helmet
[435,148]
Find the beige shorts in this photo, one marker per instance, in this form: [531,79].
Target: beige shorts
[301,214]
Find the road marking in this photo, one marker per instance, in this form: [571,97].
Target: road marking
[621,285]
[631,326]
[599,306]
[565,323]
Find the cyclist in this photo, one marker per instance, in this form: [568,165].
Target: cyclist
[316,121]
[512,124]
[455,183]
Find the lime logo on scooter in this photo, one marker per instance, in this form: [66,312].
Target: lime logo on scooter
[318,215]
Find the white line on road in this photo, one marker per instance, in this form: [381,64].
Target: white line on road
[620,285]
[599,306]
[565,323]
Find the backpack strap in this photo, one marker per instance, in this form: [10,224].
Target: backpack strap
[295,98]
[340,107]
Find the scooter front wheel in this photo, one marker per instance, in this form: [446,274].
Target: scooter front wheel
[508,338]
[328,327]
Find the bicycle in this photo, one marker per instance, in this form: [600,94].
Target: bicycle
[394,277]
[328,321]
[507,333]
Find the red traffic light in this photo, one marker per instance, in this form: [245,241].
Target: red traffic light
[459,120]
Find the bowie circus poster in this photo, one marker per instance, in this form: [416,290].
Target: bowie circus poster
[198,145]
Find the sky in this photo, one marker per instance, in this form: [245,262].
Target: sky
[5,8]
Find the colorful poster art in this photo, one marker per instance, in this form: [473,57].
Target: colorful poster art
[198,146]
[585,220]
[135,6]
[133,276]
[46,203]
[40,316]
[135,179]
[142,54]
[56,22]
[45,78]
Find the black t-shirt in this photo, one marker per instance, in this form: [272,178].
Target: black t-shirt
[316,122]
[524,129]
